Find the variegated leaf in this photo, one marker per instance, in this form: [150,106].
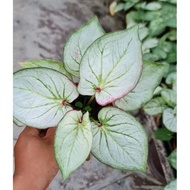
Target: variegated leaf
[41,96]
[47,63]
[119,140]
[170,119]
[151,77]
[111,66]
[73,140]
[155,106]
[78,43]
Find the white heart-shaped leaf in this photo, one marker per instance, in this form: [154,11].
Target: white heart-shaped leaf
[119,140]
[78,43]
[169,97]
[155,106]
[73,141]
[169,119]
[111,66]
[41,96]
[143,92]
[51,64]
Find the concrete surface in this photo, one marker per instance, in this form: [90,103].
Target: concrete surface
[40,30]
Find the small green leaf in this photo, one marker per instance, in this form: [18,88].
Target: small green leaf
[155,106]
[169,119]
[151,77]
[166,46]
[143,31]
[169,1]
[171,57]
[152,6]
[129,4]
[73,141]
[156,27]
[51,64]
[169,96]
[173,158]
[78,104]
[168,13]
[171,78]
[119,140]
[157,91]
[41,96]
[163,134]
[148,44]
[78,43]
[135,16]
[108,63]
[172,185]
[151,15]
[172,35]
[150,57]
[118,7]
[160,52]
[88,108]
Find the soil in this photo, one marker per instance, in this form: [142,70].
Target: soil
[41,29]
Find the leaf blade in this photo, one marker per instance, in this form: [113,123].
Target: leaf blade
[78,43]
[120,142]
[108,63]
[41,96]
[155,106]
[170,119]
[144,90]
[73,141]
[47,63]
[173,158]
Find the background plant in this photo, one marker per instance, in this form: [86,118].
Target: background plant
[100,73]
[157,21]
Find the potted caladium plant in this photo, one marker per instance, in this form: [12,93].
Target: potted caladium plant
[89,98]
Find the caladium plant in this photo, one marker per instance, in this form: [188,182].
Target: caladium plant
[89,98]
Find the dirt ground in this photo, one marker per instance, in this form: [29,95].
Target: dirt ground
[41,29]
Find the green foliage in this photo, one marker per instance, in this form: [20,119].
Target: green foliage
[173,158]
[163,134]
[108,68]
[157,20]
[171,186]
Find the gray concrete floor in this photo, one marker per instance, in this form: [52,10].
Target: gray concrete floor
[40,30]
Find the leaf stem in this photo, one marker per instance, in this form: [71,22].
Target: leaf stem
[90,100]
[96,122]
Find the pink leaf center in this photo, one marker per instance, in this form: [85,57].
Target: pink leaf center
[64,102]
[98,89]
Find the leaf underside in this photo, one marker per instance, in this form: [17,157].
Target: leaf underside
[119,140]
[73,141]
[41,96]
